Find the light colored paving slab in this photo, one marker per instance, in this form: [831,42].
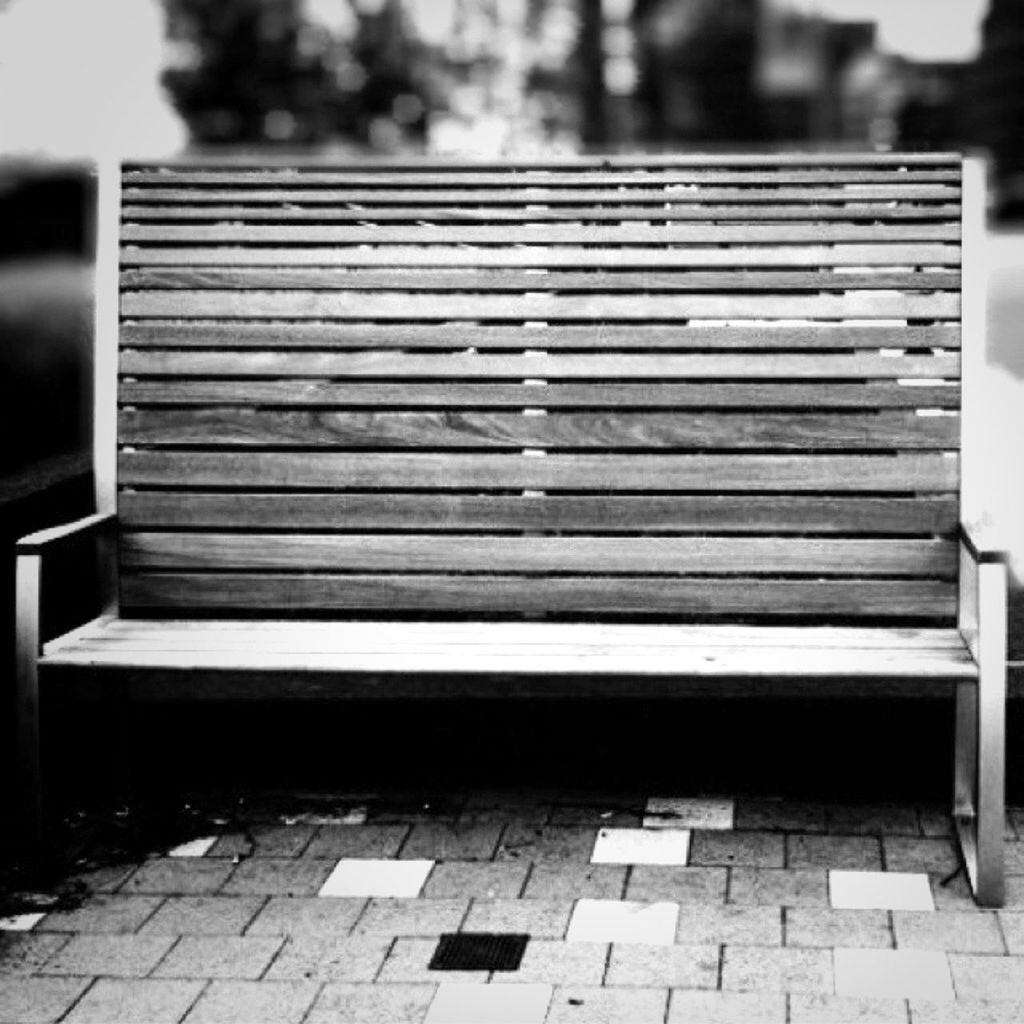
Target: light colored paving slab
[641,846]
[193,848]
[457,1003]
[690,812]
[20,922]
[879,890]
[624,921]
[377,878]
[892,974]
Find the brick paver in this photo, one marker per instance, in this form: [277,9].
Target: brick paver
[465,878]
[954,931]
[547,919]
[204,915]
[744,932]
[219,956]
[117,956]
[554,962]
[320,958]
[38,1000]
[852,853]
[179,876]
[288,915]
[675,966]
[254,1002]
[117,1001]
[821,926]
[109,914]
[26,952]
[582,1005]
[762,969]
[340,1003]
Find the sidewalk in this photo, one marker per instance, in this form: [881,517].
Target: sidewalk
[614,910]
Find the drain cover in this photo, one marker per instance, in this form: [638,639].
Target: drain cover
[479,951]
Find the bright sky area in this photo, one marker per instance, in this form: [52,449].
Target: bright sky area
[922,29]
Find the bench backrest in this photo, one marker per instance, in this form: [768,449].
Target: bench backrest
[697,389]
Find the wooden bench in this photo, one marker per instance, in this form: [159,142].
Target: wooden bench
[623,427]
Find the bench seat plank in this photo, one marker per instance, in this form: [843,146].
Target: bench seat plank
[480,647]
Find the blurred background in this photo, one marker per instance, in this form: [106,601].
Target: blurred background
[82,83]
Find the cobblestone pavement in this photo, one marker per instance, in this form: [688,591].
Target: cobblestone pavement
[622,908]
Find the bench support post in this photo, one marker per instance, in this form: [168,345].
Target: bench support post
[26,686]
[980,754]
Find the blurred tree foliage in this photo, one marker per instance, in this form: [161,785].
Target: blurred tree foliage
[261,71]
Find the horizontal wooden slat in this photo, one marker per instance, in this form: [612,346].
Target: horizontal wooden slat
[427,395]
[371,635]
[746,234]
[515,196]
[605,337]
[601,555]
[533,255]
[666,210]
[919,599]
[698,473]
[467,177]
[391,365]
[397,305]
[800,431]
[160,278]
[594,513]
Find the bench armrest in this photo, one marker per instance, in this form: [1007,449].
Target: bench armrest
[973,540]
[36,543]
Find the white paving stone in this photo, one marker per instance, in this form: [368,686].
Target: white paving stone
[193,848]
[690,812]
[893,974]
[352,877]
[458,1003]
[641,846]
[879,890]
[20,922]
[652,924]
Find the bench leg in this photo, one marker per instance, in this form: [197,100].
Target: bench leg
[29,775]
[980,757]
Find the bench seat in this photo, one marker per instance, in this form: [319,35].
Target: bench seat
[428,659]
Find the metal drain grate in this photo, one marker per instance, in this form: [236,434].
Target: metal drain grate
[479,951]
